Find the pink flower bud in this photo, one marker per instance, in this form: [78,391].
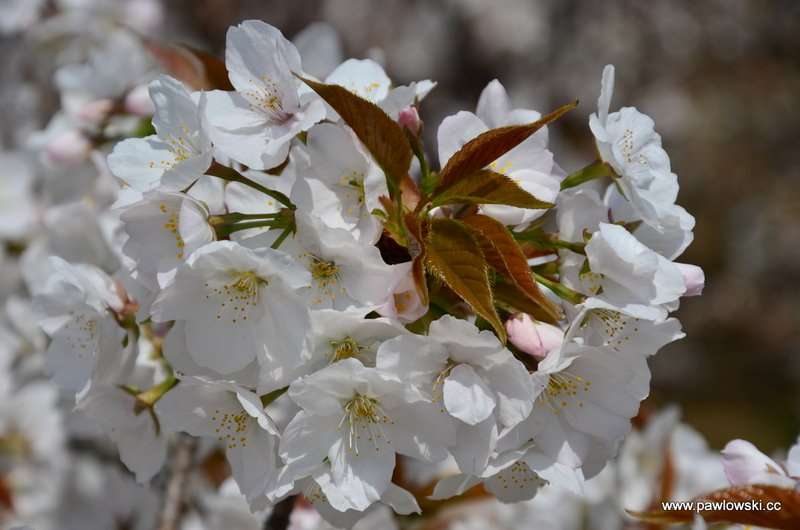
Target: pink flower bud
[70,148]
[533,338]
[409,118]
[693,277]
[94,112]
[138,102]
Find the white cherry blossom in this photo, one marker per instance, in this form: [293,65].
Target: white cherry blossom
[256,123]
[359,418]
[344,183]
[76,305]
[335,336]
[238,305]
[234,417]
[627,276]
[163,229]
[345,273]
[142,447]
[470,375]
[530,164]
[180,151]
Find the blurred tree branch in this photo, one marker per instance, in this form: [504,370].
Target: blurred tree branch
[174,501]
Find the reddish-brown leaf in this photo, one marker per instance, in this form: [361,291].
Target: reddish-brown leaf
[488,187]
[787,518]
[504,254]
[453,255]
[491,145]
[379,133]
[510,297]
[197,69]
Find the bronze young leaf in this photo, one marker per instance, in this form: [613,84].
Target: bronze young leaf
[491,145]
[504,254]
[488,187]
[381,135]
[455,257]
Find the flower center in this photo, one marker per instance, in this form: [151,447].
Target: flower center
[326,278]
[324,270]
[267,99]
[248,284]
[562,387]
[344,349]
[618,328]
[364,416]
[237,297]
[230,428]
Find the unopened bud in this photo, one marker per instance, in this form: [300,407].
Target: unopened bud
[138,102]
[409,119]
[94,112]
[693,278]
[70,148]
[534,338]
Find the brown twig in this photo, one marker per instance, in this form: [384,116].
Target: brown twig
[183,459]
[281,512]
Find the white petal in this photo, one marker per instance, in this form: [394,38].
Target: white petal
[363,77]
[306,442]
[606,91]
[515,483]
[401,500]
[745,464]
[455,131]
[196,408]
[253,457]
[475,445]
[140,162]
[362,475]
[452,486]
[467,396]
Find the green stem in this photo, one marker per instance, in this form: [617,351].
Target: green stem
[148,398]
[540,239]
[231,175]
[268,398]
[561,290]
[427,178]
[234,217]
[286,231]
[226,230]
[596,169]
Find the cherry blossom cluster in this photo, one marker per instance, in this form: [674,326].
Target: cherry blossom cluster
[294,289]
[55,195]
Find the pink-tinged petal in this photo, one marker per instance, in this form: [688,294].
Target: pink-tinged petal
[138,102]
[745,464]
[693,277]
[70,148]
